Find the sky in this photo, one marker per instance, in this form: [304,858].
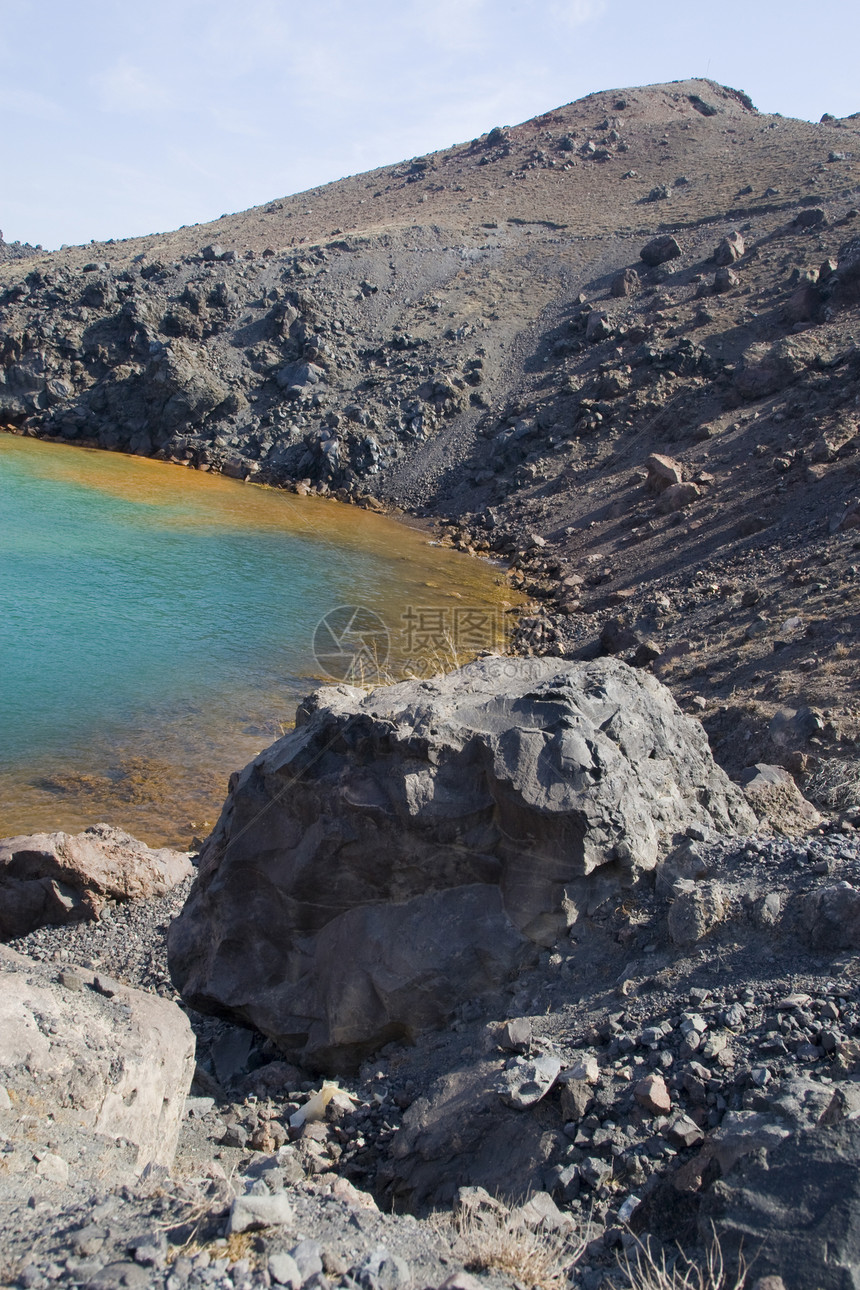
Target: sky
[119,119]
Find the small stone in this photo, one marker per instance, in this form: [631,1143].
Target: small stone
[516,1035]
[576,1098]
[715,1045]
[628,1209]
[149,1250]
[235,1135]
[625,283]
[461,1281]
[652,1093]
[528,1082]
[696,910]
[595,1171]
[387,1271]
[307,1256]
[597,328]
[120,1276]
[250,1213]
[730,249]
[684,1132]
[541,1211]
[724,280]
[284,1270]
[53,1168]
[586,1068]
[87,1241]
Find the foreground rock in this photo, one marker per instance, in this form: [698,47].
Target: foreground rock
[796,1207]
[406,850]
[55,878]
[93,1074]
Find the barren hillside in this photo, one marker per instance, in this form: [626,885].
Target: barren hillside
[474,335]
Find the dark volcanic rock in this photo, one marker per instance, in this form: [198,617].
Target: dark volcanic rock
[405,850]
[659,250]
[795,1209]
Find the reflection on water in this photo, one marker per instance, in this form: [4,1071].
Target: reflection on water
[158,625]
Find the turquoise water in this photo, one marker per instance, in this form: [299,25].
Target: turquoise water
[157,628]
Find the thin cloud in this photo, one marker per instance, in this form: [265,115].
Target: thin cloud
[129,89]
[578,13]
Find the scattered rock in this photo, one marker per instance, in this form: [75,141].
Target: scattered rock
[696,911]
[55,878]
[659,250]
[652,1093]
[730,249]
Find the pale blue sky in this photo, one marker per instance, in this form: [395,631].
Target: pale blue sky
[123,118]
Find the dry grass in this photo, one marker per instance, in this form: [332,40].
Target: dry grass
[646,1272]
[496,1239]
[835,784]
[239,1245]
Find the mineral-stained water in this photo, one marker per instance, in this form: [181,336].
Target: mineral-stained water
[158,625]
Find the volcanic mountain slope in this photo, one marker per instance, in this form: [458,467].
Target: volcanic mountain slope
[476,335]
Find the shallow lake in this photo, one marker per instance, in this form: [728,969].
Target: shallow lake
[159,625]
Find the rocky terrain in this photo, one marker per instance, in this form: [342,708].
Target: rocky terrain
[500,976]
[500,336]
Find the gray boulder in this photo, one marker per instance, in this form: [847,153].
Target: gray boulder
[408,849]
[794,1208]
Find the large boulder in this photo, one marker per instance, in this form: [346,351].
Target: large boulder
[405,850]
[794,1209]
[55,878]
[93,1074]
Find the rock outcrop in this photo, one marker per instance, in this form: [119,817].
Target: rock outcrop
[95,1074]
[56,878]
[405,850]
